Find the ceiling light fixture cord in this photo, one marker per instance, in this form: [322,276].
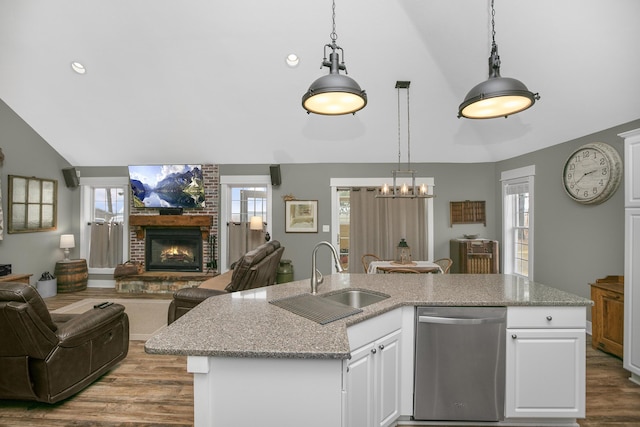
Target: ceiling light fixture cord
[399,164]
[408,134]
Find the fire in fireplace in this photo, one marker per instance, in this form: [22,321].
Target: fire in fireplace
[173,249]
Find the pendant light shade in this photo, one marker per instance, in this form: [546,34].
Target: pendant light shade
[498,96]
[334,94]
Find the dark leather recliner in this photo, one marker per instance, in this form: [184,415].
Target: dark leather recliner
[255,269]
[50,357]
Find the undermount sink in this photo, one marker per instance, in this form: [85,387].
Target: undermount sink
[356,298]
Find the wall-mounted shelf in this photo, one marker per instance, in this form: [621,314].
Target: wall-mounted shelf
[139,222]
[467,212]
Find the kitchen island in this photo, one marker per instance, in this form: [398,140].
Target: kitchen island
[254,362]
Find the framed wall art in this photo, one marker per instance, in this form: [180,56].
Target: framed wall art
[301,216]
[32,204]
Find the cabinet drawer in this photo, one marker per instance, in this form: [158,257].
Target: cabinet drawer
[372,329]
[546,317]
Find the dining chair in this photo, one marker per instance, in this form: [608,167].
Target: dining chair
[366,259]
[445,264]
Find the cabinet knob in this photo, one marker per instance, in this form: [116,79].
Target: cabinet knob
[373,350]
[381,347]
[549,318]
[514,336]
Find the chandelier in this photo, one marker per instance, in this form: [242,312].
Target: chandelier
[404,190]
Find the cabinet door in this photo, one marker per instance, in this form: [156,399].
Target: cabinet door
[631,360]
[387,360]
[545,373]
[360,387]
[631,169]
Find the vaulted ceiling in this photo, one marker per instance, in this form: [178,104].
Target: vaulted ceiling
[203,80]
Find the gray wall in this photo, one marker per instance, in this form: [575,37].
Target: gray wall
[27,154]
[574,244]
[453,182]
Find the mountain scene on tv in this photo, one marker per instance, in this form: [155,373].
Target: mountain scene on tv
[167,186]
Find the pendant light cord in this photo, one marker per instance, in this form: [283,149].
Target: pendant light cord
[333,35]
[408,133]
[493,25]
[399,129]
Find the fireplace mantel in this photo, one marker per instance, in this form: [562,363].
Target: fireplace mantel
[140,222]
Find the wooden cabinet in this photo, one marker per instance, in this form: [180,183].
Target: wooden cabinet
[474,256]
[22,278]
[607,314]
[545,362]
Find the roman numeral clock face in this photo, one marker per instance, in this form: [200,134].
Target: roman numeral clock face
[592,173]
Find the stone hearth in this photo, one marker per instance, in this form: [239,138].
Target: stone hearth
[160,282]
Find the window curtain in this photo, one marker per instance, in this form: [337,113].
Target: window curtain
[377,225]
[1,216]
[106,245]
[238,240]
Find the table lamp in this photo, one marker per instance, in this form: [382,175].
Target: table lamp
[67,241]
[256,224]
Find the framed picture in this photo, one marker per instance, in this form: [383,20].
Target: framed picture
[301,216]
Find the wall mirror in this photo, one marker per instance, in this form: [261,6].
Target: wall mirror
[32,204]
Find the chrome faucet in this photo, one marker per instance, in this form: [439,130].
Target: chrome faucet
[315,281]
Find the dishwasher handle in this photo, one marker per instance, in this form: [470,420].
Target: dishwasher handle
[459,320]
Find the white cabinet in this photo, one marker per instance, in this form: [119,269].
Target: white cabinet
[372,385]
[631,359]
[631,169]
[545,362]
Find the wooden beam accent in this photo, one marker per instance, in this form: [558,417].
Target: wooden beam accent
[140,222]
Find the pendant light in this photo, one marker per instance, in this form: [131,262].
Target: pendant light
[498,96]
[334,94]
[404,191]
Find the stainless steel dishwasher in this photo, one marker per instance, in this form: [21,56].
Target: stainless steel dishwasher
[459,363]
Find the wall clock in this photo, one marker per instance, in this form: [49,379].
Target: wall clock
[592,173]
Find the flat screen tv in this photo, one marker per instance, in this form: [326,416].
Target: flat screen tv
[167,186]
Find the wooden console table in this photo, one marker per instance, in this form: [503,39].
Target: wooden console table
[22,278]
[607,314]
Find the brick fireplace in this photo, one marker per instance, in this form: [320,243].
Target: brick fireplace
[206,220]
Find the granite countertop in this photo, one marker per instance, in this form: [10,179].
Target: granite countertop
[245,324]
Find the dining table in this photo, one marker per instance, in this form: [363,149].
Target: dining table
[390,266]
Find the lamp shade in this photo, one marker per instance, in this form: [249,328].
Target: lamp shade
[496,97]
[67,241]
[255,223]
[334,94]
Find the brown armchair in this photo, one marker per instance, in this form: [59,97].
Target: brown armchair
[48,357]
[255,269]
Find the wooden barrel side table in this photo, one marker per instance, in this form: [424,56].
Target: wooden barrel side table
[72,275]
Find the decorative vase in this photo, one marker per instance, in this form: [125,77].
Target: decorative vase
[285,271]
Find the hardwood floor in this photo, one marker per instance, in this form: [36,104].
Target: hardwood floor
[154,390]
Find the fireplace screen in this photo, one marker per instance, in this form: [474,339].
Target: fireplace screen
[173,249]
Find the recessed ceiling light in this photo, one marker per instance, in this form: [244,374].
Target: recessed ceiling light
[78,67]
[292,60]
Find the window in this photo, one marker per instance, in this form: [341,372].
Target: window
[517,221]
[242,197]
[104,218]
